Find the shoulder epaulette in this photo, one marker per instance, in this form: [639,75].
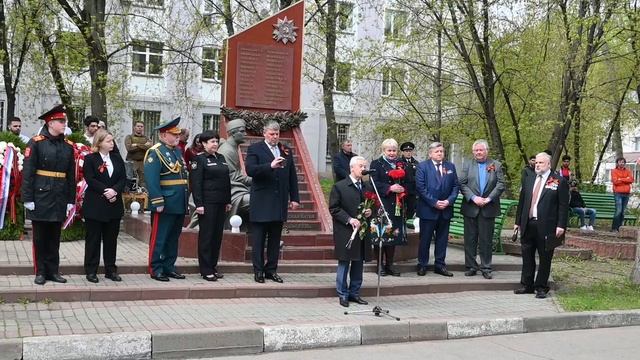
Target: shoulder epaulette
[69,142]
[38,138]
[155,146]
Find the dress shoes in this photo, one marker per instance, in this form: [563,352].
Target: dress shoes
[391,272]
[383,272]
[57,278]
[175,275]
[160,277]
[422,271]
[113,277]
[471,272]
[523,290]
[443,271]
[219,275]
[40,280]
[92,278]
[275,277]
[210,277]
[541,294]
[344,302]
[358,300]
[258,277]
[487,275]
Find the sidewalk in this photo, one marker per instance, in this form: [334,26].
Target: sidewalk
[192,317]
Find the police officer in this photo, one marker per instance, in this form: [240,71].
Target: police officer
[166,179]
[211,189]
[48,192]
[410,178]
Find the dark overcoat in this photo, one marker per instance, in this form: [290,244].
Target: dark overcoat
[344,201]
[271,189]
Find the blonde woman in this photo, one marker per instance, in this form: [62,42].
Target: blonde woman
[102,208]
[390,183]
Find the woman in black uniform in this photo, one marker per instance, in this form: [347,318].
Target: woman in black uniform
[211,189]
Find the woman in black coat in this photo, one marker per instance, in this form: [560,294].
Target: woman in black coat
[102,208]
[389,189]
[211,189]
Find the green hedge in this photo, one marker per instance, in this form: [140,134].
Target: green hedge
[74,232]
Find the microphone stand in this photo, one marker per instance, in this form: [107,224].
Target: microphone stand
[377,310]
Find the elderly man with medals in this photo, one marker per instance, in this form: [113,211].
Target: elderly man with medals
[166,179]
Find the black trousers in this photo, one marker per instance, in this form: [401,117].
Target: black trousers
[46,247]
[269,232]
[105,232]
[388,252]
[211,224]
[410,206]
[531,242]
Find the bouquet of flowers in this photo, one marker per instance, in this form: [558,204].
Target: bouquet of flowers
[79,152]
[370,202]
[397,175]
[11,161]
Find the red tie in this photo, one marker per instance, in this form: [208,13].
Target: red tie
[535,195]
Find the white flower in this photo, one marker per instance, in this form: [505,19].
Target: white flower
[81,162]
[20,161]
[11,144]
[20,167]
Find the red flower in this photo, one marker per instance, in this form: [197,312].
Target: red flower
[369,195]
[102,167]
[491,168]
[553,181]
[397,174]
[400,165]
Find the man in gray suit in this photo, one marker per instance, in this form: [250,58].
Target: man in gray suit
[481,183]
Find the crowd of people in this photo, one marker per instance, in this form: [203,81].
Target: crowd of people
[367,212]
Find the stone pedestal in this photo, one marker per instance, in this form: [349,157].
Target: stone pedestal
[635,273]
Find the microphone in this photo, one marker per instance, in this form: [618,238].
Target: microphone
[367,172]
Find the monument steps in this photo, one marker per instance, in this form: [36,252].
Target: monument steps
[303,225]
[142,287]
[302,215]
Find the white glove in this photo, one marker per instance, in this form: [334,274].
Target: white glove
[159,209]
[30,205]
[69,207]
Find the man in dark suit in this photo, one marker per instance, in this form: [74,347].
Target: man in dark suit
[410,179]
[437,186]
[542,217]
[481,184]
[274,189]
[341,161]
[344,201]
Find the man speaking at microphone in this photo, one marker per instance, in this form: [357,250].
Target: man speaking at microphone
[351,250]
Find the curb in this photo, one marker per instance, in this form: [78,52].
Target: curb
[254,340]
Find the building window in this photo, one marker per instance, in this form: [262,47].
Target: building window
[211,9]
[636,143]
[392,81]
[395,23]
[343,77]
[211,64]
[147,57]
[345,16]
[211,122]
[149,3]
[150,118]
[343,132]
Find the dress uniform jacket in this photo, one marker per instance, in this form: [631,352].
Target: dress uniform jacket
[166,179]
[48,177]
[210,182]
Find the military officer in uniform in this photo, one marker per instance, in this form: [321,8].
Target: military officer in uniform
[48,192]
[410,178]
[166,178]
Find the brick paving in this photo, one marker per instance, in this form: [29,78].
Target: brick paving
[40,319]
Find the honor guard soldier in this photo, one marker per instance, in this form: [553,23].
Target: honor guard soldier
[410,178]
[166,178]
[48,192]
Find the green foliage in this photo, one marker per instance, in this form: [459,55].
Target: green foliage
[9,137]
[78,137]
[593,188]
[74,232]
[71,51]
[326,185]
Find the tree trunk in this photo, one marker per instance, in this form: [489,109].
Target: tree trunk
[228,17]
[285,3]
[99,65]
[328,80]
[438,87]
[6,68]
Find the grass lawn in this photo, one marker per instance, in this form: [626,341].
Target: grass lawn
[326,185]
[598,284]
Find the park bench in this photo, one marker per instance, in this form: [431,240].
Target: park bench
[605,206]
[456,226]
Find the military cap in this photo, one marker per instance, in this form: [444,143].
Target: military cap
[57,113]
[170,127]
[407,146]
